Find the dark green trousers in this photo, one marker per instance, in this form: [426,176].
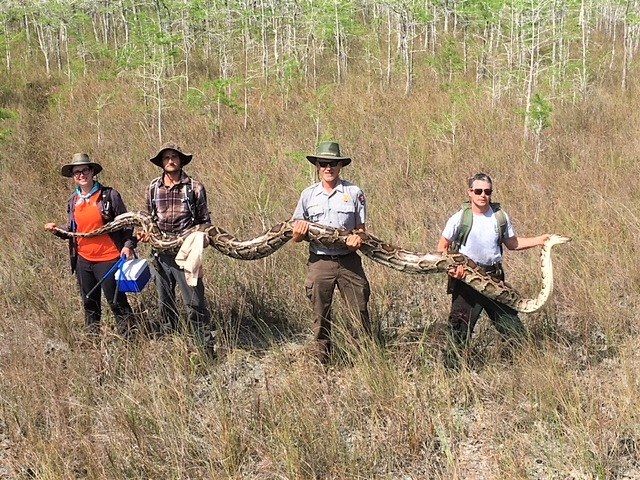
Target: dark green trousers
[466,306]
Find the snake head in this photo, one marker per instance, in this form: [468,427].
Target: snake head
[555,239]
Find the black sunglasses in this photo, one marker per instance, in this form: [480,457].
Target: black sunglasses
[84,171]
[332,164]
[487,191]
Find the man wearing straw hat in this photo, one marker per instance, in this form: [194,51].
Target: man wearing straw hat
[177,202]
[340,204]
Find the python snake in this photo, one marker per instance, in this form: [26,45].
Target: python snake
[372,246]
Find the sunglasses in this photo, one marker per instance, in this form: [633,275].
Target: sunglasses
[478,191]
[332,164]
[84,171]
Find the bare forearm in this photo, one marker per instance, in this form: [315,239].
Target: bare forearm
[522,243]
[443,245]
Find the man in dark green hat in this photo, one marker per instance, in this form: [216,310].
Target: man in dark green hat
[340,204]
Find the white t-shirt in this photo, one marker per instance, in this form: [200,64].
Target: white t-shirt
[482,243]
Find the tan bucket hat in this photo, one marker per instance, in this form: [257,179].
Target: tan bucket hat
[77,160]
[185,158]
[329,151]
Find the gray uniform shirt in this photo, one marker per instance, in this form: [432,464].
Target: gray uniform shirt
[344,208]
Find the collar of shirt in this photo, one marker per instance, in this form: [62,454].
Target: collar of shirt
[319,190]
[184,179]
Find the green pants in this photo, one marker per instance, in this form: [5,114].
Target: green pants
[466,306]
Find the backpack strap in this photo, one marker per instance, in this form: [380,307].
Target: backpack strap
[189,198]
[153,194]
[105,203]
[501,218]
[466,223]
[71,206]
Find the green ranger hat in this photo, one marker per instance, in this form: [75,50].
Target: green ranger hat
[328,151]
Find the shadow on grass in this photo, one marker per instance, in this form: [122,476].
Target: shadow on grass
[255,320]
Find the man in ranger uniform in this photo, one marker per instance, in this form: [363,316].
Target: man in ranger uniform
[340,204]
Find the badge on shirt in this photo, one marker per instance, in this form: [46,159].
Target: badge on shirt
[361,198]
[346,198]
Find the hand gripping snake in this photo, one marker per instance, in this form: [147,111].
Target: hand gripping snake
[372,246]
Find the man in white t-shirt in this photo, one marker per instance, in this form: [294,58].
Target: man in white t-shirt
[479,230]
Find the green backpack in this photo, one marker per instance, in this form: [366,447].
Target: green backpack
[467,221]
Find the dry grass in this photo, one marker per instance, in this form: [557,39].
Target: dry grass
[566,407]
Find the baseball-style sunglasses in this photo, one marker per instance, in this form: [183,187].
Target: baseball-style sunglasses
[332,164]
[487,191]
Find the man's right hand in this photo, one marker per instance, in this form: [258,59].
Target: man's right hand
[300,230]
[143,237]
[50,227]
[457,272]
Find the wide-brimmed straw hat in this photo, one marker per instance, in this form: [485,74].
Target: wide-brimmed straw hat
[185,158]
[80,159]
[328,151]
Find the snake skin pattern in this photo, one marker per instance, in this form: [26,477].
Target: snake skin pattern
[372,246]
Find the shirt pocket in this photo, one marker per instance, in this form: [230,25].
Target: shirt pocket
[314,212]
[346,213]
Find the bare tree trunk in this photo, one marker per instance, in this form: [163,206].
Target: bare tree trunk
[626,43]
[389,66]
[584,25]
[265,49]
[124,23]
[337,40]
[7,49]
[535,30]
[44,47]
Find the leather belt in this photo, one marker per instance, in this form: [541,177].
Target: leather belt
[322,256]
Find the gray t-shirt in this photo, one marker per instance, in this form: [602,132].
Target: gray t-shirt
[344,208]
[482,243]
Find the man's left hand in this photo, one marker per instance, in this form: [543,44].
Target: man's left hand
[127,253]
[543,238]
[354,242]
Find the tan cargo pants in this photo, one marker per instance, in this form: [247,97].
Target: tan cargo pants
[325,273]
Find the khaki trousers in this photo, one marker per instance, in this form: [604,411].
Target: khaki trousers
[325,273]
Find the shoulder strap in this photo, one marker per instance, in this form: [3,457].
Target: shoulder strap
[71,203]
[466,221]
[105,203]
[501,218]
[71,206]
[190,198]
[153,193]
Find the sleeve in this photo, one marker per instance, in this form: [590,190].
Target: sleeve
[69,226]
[147,200]
[453,225]
[361,208]
[202,209]
[300,211]
[511,232]
[119,208]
